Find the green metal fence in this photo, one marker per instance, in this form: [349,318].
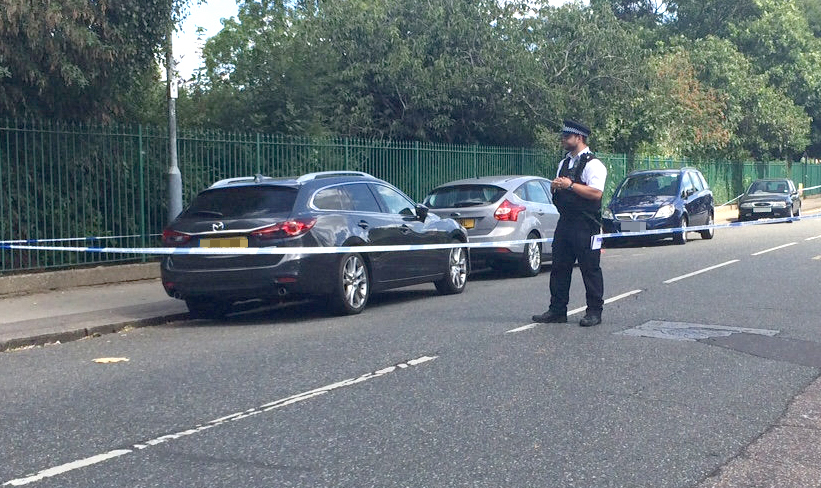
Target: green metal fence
[109,182]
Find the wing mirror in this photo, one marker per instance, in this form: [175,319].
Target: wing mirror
[422,212]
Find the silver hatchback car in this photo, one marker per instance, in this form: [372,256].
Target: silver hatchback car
[497,209]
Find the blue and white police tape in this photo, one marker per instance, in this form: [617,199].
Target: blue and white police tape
[595,243]
[74,239]
[597,239]
[268,250]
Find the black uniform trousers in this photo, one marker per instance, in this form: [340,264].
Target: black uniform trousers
[571,243]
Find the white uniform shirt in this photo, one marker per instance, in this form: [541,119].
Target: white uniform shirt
[594,173]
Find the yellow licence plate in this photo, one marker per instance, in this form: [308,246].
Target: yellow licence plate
[225,242]
[467,223]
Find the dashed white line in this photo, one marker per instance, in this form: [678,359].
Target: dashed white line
[694,273]
[812,238]
[773,249]
[575,311]
[64,468]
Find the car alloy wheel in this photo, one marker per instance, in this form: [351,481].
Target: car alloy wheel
[457,272]
[352,287]
[532,258]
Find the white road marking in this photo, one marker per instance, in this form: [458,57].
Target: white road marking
[64,468]
[47,473]
[694,273]
[812,238]
[575,311]
[774,249]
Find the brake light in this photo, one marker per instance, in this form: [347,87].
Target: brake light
[174,238]
[289,228]
[508,211]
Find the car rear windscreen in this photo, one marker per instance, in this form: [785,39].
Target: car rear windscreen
[242,202]
[464,196]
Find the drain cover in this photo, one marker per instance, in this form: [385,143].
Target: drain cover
[681,331]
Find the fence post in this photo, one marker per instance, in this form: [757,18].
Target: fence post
[259,156]
[416,164]
[347,149]
[475,160]
[142,188]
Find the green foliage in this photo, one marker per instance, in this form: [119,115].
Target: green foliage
[78,59]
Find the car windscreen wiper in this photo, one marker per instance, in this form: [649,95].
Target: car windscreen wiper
[208,213]
[469,203]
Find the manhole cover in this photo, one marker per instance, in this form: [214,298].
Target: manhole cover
[681,331]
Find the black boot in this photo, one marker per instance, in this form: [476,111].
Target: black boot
[550,318]
[590,319]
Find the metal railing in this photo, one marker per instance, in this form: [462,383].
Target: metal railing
[60,181]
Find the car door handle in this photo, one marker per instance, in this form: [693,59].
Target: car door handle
[363,224]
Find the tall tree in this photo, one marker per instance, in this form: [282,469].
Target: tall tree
[590,65]
[78,59]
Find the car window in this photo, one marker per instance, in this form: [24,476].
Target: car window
[395,202]
[242,202]
[697,184]
[703,180]
[547,189]
[362,198]
[649,184]
[762,186]
[687,184]
[463,196]
[333,198]
[532,191]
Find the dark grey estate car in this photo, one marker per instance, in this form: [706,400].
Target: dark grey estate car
[315,210]
[776,197]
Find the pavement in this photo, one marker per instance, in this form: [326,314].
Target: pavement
[54,307]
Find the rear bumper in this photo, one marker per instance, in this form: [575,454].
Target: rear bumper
[292,275]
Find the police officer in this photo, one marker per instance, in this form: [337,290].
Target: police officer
[577,193]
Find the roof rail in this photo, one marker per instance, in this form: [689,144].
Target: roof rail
[326,174]
[228,181]
[257,178]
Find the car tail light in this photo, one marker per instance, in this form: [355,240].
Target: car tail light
[289,228]
[508,211]
[174,238]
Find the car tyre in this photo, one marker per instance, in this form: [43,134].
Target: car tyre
[681,237]
[207,308]
[352,286]
[531,263]
[708,233]
[456,275]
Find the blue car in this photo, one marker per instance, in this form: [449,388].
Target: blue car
[661,199]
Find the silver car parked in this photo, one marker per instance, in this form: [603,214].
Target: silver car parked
[501,208]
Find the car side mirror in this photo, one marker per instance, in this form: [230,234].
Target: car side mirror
[421,212]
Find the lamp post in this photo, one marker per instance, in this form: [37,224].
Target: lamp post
[174,176]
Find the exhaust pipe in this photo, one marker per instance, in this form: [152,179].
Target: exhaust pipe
[178,295]
[282,291]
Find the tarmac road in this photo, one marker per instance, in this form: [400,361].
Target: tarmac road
[454,391]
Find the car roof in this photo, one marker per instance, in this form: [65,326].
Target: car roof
[667,171]
[326,177]
[504,181]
